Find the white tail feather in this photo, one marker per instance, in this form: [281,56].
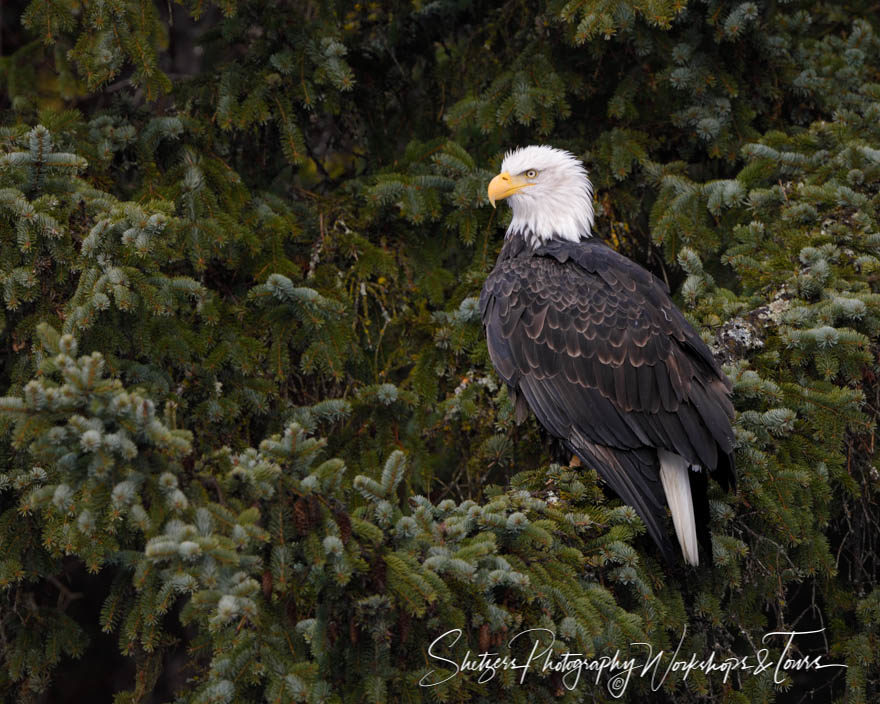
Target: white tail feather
[677,487]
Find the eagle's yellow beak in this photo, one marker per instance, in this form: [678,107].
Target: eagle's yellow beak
[504,185]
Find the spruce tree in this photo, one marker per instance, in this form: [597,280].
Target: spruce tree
[253,447]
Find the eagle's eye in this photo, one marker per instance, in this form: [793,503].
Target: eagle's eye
[531,173]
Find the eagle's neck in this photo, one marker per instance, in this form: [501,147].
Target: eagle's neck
[585,253]
[532,241]
[525,244]
[529,240]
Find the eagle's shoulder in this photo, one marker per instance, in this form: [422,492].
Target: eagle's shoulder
[596,257]
[577,276]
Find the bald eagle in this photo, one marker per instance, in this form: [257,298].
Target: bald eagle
[593,345]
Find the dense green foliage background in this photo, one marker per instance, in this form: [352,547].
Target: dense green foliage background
[253,448]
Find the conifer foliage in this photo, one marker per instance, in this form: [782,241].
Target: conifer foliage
[252,446]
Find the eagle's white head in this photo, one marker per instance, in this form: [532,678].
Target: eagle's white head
[549,193]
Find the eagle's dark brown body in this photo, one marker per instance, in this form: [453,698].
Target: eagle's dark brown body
[592,344]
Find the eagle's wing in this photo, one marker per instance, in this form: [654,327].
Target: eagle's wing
[610,366]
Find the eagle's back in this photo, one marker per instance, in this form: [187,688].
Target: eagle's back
[594,346]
